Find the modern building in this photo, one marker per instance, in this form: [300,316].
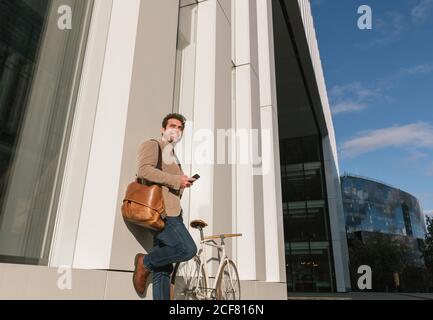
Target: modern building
[372,207]
[84,82]
[315,244]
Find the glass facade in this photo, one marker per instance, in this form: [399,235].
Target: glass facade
[306,226]
[375,212]
[309,258]
[375,207]
[40,66]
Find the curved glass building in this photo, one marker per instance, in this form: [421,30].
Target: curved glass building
[385,230]
[376,207]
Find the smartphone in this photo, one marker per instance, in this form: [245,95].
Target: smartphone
[196,177]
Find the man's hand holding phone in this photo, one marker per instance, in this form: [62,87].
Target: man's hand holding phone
[195,177]
[187,182]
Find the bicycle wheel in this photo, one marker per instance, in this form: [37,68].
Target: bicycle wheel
[228,284]
[188,282]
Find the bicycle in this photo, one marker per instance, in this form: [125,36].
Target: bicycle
[190,280]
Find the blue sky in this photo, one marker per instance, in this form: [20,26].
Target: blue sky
[380,86]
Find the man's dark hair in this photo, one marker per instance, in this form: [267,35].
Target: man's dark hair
[176,116]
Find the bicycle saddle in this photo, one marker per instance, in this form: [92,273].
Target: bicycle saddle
[198,224]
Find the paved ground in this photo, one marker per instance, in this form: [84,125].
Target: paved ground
[360,296]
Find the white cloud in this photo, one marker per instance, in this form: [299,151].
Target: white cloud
[416,135]
[352,97]
[420,12]
[419,69]
[387,29]
[428,213]
[354,88]
[390,27]
[414,157]
[347,107]
[355,97]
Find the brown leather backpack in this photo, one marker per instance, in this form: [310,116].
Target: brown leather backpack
[143,203]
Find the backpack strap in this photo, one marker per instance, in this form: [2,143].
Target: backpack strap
[177,161]
[159,164]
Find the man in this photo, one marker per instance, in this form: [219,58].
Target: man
[174,243]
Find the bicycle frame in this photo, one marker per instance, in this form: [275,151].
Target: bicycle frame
[200,270]
[203,265]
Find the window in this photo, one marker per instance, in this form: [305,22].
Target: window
[306,226]
[186,60]
[308,267]
[40,67]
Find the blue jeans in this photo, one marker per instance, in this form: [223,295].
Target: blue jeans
[171,245]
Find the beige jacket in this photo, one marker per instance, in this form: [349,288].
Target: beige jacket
[169,177]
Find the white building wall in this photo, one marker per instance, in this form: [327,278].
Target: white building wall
[249,192]
[151,98]
[99,206]
[69,210]
[272,197]
[210,198]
